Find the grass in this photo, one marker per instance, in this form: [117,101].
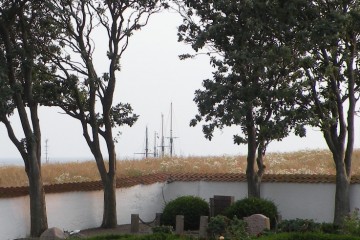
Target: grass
[308,236]
[301,162]
[155,236]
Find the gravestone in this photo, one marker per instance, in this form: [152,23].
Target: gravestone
[204,220]
[257,223]
[134,227]
[218,204]
[179,226]
[158,219]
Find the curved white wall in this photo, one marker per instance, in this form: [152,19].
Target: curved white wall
[81,210]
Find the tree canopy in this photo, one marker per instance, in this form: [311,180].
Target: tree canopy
[254,69]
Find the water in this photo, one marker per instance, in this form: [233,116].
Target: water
[20,162]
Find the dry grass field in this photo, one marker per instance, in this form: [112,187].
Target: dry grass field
[302,162]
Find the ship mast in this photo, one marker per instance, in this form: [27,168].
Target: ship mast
[171,131]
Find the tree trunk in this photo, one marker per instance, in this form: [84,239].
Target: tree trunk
[251,175]
[109,215]
[37,200]
[342,197]
[254,182]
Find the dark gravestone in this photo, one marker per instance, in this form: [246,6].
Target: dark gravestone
[218,204]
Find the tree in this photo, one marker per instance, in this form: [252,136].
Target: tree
[324,36]
[81,91]
[25,29]
[254,69]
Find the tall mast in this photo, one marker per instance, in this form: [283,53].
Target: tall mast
[146,153]
[171,131]
[162,136]
[146,143]
[155,135]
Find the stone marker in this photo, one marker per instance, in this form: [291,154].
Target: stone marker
[179,227]
[204,220]
[134,223]
[53,234]
[158,219]
[257,223]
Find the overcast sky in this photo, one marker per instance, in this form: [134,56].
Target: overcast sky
[151,77]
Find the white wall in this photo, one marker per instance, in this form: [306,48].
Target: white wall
[81,210]
[14,217]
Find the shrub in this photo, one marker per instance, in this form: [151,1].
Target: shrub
[162,229]
[230,229]
[190,207]
[299,225]
[217,226]
[249,206]
[330,228]
[351,224]
[237,230]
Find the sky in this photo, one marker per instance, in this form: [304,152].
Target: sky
[151,78]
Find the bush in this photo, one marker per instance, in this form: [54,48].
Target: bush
[249,206]
[330,228]
[190,207]
[230,229]
[299,225]
[237,230]
[217,226]
[351,224]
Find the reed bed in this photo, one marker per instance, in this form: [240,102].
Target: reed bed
[301,162]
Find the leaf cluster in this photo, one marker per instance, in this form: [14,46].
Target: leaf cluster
[255,82]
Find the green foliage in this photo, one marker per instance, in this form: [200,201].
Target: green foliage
[228,228]
[249,206]
[217,225]
[299,225]
[162,229]
[236,230]
[156,236]
[308,236]
[351,223]
[249,88]
[330,228]
[190,207]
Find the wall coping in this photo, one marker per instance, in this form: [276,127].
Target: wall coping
[126,182]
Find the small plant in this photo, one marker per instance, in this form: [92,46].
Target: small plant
[330,228]
[217,226]
[162,229]
[299,225]
[190,207]
[249,206]
[228,228]
[351,224]
[237,230]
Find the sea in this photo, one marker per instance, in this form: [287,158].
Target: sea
[20,162]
